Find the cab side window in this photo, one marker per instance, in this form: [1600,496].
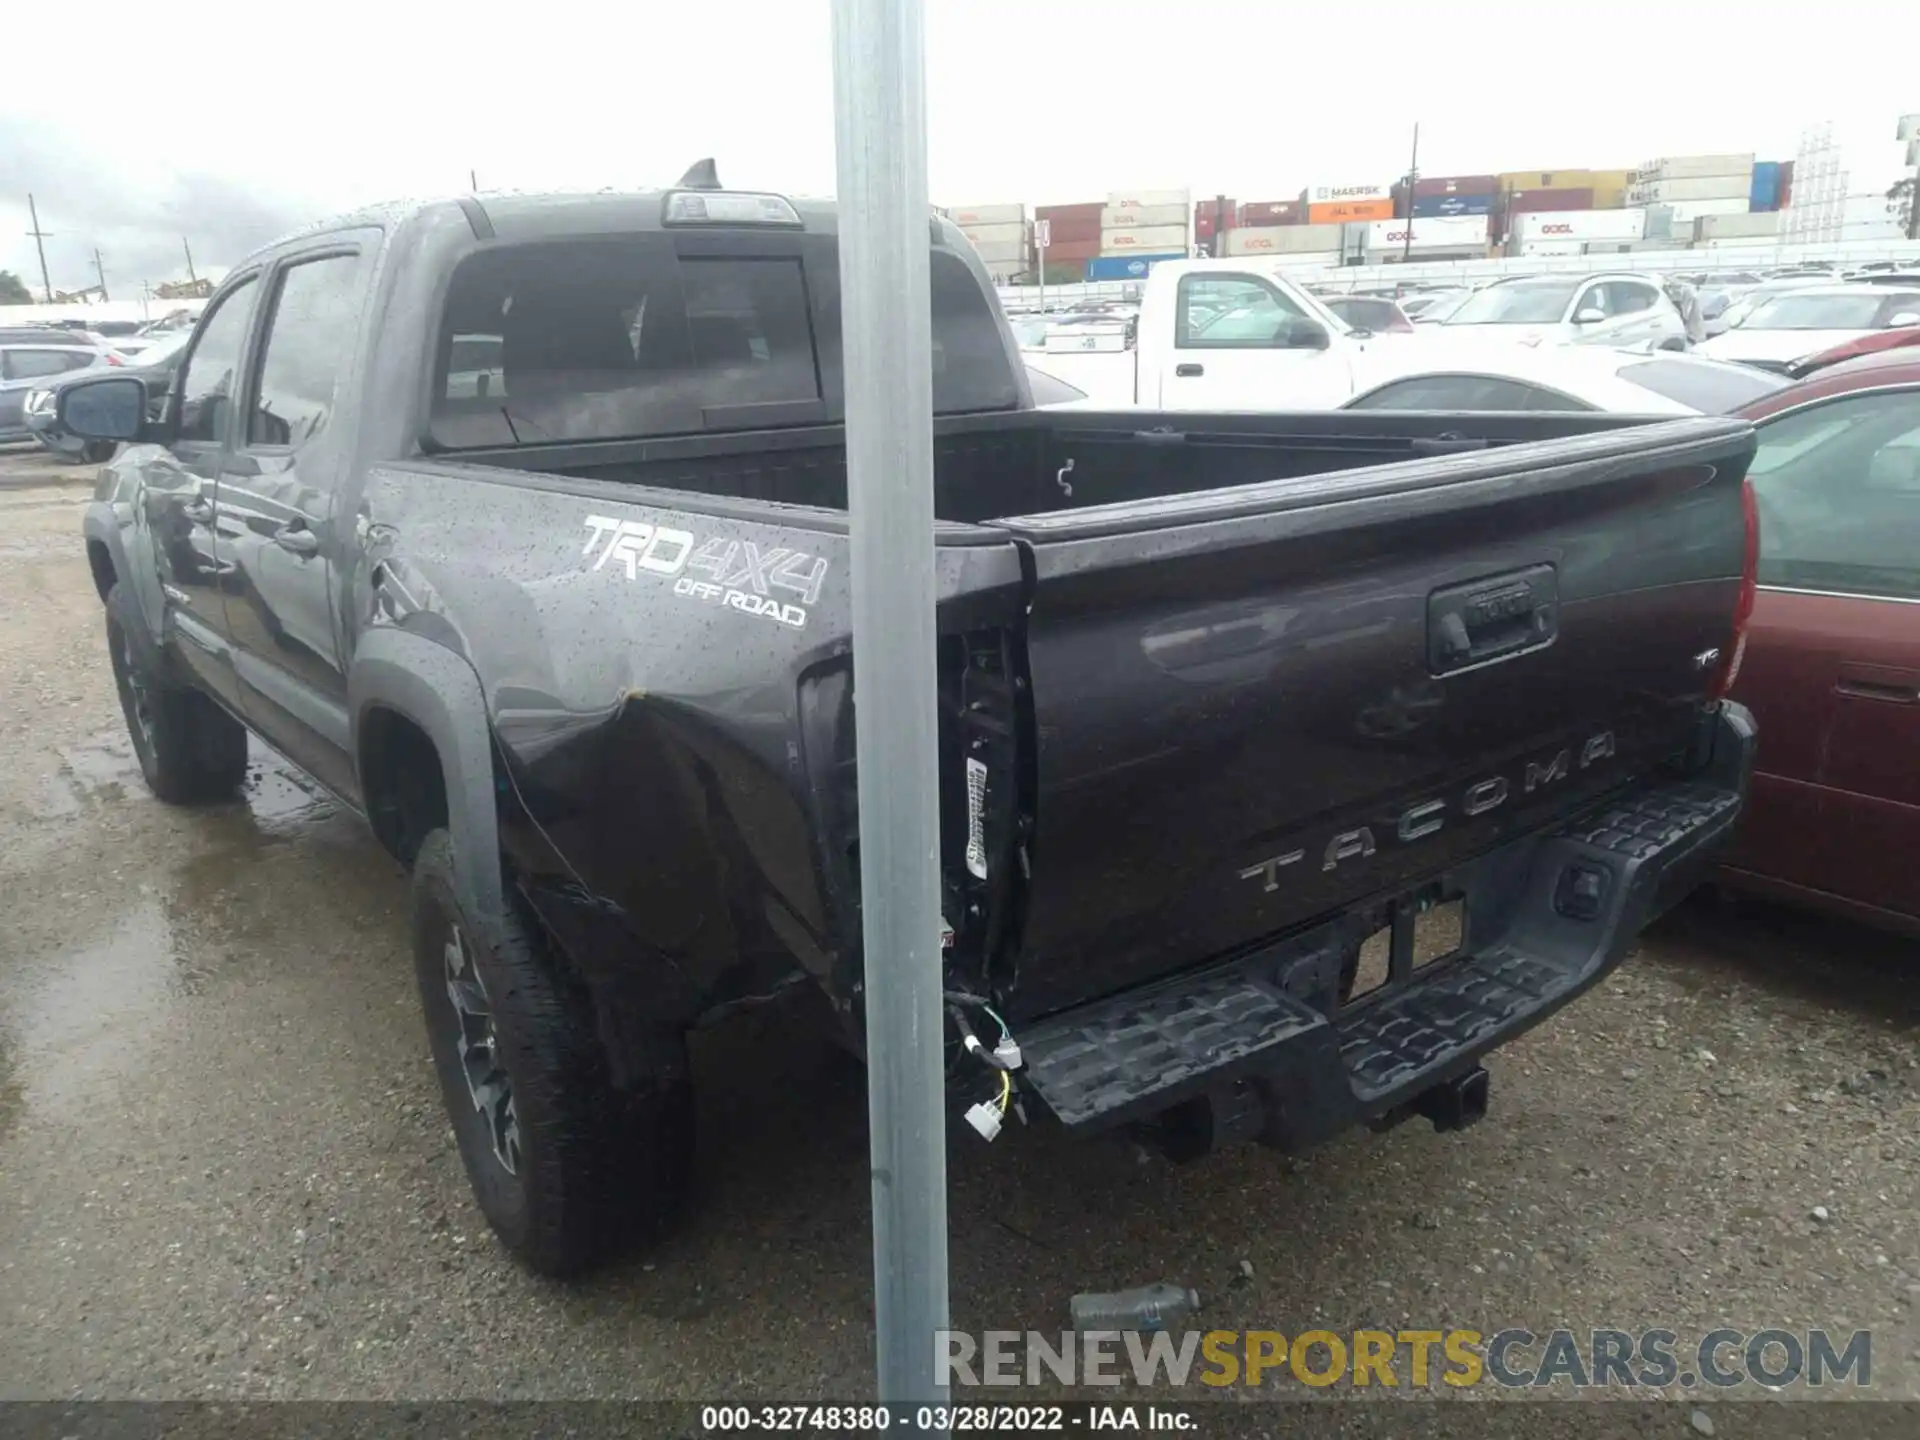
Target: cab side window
[1232,312]
[316,315]
[209,379]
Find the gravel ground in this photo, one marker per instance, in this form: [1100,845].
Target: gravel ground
[224,1170]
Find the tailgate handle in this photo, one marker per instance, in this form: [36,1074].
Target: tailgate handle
[1189,368]
[1492,619]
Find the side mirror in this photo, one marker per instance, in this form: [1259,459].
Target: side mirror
[113,407]
[1904,320]
[1589,316]
[1306,335]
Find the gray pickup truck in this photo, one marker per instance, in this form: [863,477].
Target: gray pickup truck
[520,524]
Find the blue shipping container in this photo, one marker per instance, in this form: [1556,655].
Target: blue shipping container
[1127,267]
[1427,206]
[1765,191]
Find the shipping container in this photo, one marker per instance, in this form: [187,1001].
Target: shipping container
[1065,272]
[1146,199]
[1080,227]
[1271,212]
[1205,208]
[1580,225]
[1014,234]
[1127,267]
[1072,249]
[1340,212]
[1455,185]
[1609,197]
[1203,227]
[1694,167]
[1438,233]
[1764,193]
[1545,180]
[1534,249]
[1609,179]
[1154,239]
[1755,225]
[1089,210]
[1698,187]
[967,216]
[1521,201]
[1002,254]
[1682,213]
[1283,240]
[1318,195]
[1139,216]
[1429,206]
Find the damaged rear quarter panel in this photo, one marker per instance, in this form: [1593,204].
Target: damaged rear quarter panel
[642,663]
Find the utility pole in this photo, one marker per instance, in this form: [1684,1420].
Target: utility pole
[880,144]
[473,181]
[40,238]
[191,277]
[1413,178]
[100,272]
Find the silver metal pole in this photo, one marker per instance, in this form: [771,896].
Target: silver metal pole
[879,86]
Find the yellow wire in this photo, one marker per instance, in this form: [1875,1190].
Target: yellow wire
[1006,1091]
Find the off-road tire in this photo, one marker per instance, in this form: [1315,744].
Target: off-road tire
[190,750]
[594,1168]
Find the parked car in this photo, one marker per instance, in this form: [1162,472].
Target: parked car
[1373,313]
[1742,302]
[1429,307]
[27,365]
[1832,664]
[1789,328]
[153,367]
[1610,309]
[1570,377]
[1872,344]
[1212,714]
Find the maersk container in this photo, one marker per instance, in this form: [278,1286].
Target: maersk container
[1152,239]
[1139,217]
[1454,185]
[1694,167]
[1432,206]
[1015,233]
[1147,199]
[1128,267]
[967,216]
[1764,192]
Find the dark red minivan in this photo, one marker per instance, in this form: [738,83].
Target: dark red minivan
[1832,666]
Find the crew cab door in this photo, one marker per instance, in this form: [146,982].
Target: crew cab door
[1242,343]
[1833,667]
[278,521]
[179,487]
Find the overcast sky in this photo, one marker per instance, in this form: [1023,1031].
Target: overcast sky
[237,122]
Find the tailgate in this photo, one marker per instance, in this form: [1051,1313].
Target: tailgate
[1256,706]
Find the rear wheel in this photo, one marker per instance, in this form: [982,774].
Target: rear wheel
[190,750]
[565,1168]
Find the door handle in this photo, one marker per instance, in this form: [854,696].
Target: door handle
[296,539]
[1879,682]
[199,511]
[1189,369]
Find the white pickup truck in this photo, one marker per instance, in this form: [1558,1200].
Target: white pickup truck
[1225,335]
[1238,334]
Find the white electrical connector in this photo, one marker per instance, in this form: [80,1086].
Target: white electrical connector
[1007,1052]
[985,1118]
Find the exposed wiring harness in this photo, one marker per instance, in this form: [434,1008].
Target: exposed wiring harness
[1003,1059]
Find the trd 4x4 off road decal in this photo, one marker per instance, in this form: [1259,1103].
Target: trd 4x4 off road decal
[744,576]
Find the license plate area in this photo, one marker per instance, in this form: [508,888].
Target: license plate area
[1416,931]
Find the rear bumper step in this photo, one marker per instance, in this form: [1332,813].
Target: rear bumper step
[1261,1039]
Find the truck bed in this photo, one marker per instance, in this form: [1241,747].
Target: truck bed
[1202,661]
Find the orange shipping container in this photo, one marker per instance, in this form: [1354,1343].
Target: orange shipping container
[1338,212]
